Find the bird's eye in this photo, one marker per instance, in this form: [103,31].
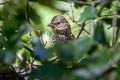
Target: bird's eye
[58,23]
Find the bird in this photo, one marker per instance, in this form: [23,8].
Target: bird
[61,29]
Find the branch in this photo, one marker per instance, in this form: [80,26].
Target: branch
[79,2]
[95,19]
[28,20]
[96,2]
[39,34]
[73,19]
[27,11]
[92,28]
[82,28]
[108,67]
[93,4]
[114,23]
[77,24]
[3,3]
[92,21]
[26,47]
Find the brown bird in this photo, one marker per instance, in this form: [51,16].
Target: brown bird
[61,29]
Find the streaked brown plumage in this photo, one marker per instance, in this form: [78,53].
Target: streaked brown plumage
[61,28]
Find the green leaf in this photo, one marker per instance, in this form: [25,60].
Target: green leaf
[89,13]
[23,64]
[71,76]
[7,57]
[101,58]
[94,64]
[39,50]
[13,36]
[48,71]
[75,50]
[34,16]
[35,41]
[25,38]
[81,47]
[99,34]
[64,51]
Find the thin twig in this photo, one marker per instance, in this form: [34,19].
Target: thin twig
[73,19]
[82,28]
[27,14]
[94,19]
[27,11]
[86,31]
[28,20]
[92,28]
[32,63]
[39,33]
[96,2]
[26,47]
[109,27]
[70,17]
[107,67]
[114,23]
[3,3]
[109,15]
[92,23]
[79,2]
[77,24]
[53,59]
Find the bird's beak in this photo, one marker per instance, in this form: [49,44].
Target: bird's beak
[51,25]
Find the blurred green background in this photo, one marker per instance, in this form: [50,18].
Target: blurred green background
[26,40]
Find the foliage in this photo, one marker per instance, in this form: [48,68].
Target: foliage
[25,40]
